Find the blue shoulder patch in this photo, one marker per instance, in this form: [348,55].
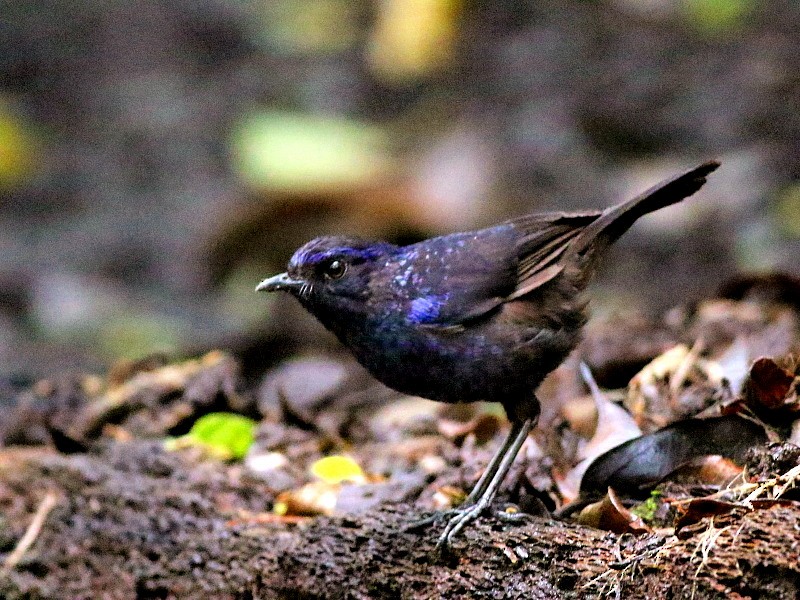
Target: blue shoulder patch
[426,309]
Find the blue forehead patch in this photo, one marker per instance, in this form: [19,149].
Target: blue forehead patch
[306,257]
[426,309]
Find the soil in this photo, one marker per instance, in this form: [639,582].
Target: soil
[134,521]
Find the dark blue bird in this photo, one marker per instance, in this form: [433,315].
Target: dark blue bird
[481,315]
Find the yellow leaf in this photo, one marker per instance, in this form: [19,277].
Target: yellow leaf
[336,469]
[17,150]
[413,38]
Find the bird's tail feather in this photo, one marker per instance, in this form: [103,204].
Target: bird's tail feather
[616,220]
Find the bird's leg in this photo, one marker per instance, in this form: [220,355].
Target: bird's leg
[478,489]
[482,483]
[487,485]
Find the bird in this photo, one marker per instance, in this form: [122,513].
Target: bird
[469,316]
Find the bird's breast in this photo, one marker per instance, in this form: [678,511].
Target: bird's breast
[490,361]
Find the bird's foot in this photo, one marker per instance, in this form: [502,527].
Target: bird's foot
[458,518]
[422,523]
[461,517]
[484,491]
[436,517]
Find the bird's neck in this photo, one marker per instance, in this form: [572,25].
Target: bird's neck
[346,322]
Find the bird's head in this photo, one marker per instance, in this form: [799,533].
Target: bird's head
[331,273]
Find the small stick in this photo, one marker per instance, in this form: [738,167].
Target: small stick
[26,541]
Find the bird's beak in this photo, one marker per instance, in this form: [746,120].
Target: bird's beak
[279,282]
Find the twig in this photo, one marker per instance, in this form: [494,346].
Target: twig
[26,541]
[588,378]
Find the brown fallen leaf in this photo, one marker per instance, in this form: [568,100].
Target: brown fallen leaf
[312,499]
[447,497]
[701,508]
[610,514]
[707,470]
[483,427]
[246,518]
[767,385]
[652,382]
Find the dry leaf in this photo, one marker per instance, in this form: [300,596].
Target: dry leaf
[610,514]
[768,384]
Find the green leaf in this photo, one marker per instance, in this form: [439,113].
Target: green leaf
[222,435]
[18,145]
[295,151]
[788,210]
[717,16]
[647,509]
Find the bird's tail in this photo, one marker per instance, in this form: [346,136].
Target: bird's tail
[616,220]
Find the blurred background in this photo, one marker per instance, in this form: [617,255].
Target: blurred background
[157,159]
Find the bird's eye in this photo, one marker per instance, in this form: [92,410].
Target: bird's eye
[335,269]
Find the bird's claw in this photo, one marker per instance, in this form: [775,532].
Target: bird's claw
[460,518]
[430,520]
[456,518]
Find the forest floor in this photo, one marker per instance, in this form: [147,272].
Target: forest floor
[95,503]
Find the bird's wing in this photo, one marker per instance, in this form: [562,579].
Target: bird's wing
[541,242]
[461,277]
[473,274]
[550,241]
[485,269]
